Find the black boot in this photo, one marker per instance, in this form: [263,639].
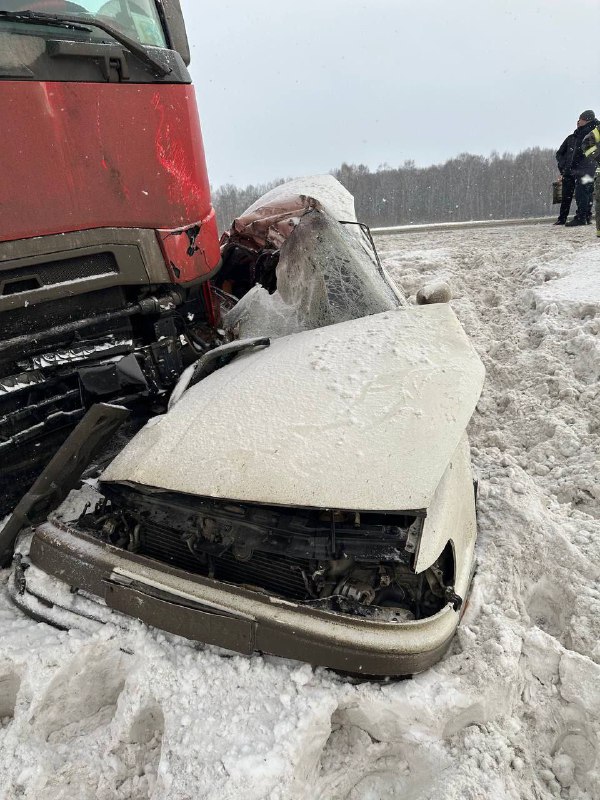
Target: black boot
[559,222]
[572,223]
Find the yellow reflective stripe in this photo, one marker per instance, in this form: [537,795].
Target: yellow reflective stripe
[589,152]
[596,133]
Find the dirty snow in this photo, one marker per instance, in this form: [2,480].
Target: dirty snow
[512,712]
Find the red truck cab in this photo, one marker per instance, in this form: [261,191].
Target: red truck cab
[108,239]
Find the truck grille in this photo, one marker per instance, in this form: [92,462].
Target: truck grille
[42,316]
[34,421]
[41,399]
[52,273]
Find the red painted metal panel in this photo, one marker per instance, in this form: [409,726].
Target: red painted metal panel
[76,156]
[192,250]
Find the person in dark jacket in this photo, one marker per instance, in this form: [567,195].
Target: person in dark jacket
[577,173]
[564,158]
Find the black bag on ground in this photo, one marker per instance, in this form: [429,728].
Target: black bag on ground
[556,192]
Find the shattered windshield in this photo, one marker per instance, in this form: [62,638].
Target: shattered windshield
[136,18]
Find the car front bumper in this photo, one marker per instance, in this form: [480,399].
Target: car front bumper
[228,616]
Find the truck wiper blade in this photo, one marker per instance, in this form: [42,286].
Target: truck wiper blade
[26,16]
[79,22]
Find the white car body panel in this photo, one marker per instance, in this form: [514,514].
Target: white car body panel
[364,415]
[451,516]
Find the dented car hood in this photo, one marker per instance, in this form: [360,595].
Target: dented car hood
[364,415]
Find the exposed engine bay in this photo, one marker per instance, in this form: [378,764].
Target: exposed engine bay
[337,561]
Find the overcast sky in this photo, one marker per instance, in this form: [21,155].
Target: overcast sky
[288,89]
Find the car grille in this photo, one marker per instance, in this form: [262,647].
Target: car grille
[274,573]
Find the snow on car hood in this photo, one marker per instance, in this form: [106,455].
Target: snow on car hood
[364,415]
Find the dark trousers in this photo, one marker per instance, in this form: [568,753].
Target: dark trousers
[584,197]
[568,190]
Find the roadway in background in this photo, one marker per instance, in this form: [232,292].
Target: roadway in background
[452,226]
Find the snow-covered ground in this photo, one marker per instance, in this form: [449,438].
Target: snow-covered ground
[512,712]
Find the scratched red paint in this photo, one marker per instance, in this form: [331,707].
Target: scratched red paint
[174,159]
[81,155]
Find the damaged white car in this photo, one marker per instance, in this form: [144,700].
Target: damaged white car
[309,493]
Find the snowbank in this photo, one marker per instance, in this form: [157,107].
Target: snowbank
[569,281]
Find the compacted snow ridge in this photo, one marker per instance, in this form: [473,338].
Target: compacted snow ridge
[513,711]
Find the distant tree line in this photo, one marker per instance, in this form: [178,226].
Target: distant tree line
[463,188]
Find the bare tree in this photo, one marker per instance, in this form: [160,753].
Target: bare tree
[463,188]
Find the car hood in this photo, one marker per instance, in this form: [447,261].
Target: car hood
[364,415]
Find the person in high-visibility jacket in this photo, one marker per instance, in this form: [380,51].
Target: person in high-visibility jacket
[580,171]
[591,149]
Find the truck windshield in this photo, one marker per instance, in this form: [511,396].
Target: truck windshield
[136,18]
